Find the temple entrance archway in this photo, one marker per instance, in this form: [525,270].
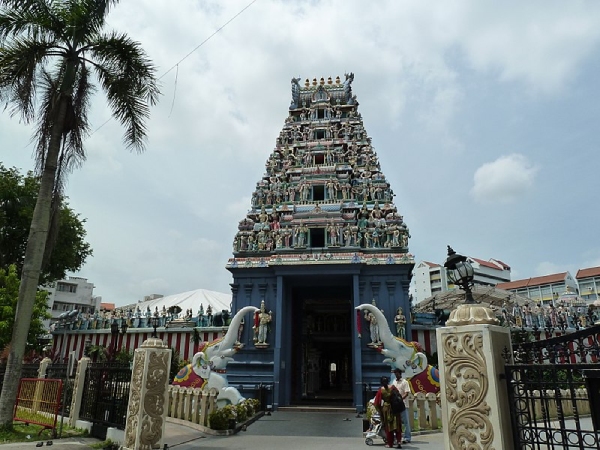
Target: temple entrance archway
[322,345]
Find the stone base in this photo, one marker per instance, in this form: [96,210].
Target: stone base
[475,410]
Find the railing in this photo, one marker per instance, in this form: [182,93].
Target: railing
[191,404]
[27,371]
[61,372]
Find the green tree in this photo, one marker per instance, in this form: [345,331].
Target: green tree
[18,194]
[9,294]
[51,51]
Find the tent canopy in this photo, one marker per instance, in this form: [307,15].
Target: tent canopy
[218,301]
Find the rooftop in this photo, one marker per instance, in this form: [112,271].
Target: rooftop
[535,281]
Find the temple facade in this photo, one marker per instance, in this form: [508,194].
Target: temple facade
[322,236]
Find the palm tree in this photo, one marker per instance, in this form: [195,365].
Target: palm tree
[51,53]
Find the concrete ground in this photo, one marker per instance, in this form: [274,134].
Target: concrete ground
[289,430]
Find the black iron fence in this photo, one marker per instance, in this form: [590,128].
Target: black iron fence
[552,393]
[62,372]
[27,371]
[105,396]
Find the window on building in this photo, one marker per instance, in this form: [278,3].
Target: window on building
[66,287]
[319,159]
[318,193]
[319,134]
[317,237]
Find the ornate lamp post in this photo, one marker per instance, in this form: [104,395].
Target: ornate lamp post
[461,273]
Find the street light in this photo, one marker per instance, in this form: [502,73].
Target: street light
[155,320]
[461,273]
[114,332]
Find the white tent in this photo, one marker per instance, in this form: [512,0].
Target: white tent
[218,301]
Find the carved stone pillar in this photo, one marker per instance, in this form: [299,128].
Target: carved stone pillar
[148,396]
[474,396]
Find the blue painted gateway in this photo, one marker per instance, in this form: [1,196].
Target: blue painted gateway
[322,237]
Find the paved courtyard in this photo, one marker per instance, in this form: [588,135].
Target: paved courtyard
[291,430]
[287,430]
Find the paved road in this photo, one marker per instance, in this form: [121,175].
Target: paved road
[287,430]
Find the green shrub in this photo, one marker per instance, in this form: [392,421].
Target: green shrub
[219,419]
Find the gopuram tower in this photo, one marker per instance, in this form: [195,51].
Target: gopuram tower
[323,236]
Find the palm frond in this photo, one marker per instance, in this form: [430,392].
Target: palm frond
[89,17]
[34,19]
[128,78]
[20,62]
[49,86]
[79,127]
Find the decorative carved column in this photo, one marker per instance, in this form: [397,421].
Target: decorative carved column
[148,396]
[234,290]
[475,412]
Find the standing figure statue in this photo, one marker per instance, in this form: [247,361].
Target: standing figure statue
[295,93]
[400,321]
[262,319]
[347,85]
[209,316]
[373,328]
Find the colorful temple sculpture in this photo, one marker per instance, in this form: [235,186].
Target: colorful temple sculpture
[322,236]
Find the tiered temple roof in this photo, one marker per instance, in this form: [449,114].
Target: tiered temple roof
[323,198]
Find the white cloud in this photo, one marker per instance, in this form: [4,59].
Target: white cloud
[504,180]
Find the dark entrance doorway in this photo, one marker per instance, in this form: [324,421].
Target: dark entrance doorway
[322,345]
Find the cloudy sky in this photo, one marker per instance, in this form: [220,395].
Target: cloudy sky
[484,116]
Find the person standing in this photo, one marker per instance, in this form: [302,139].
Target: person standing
[391,422]
[403,387]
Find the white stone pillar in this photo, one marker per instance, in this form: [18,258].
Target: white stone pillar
[148,396]
[475,410]
[78,388]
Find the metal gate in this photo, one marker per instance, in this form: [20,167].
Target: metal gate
[105,396]
[553,393]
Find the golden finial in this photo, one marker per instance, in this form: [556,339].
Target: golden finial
[314,82]
[307,83]
[337,80]
[322,81]
[329,80]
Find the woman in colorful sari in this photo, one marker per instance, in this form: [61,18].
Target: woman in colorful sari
[390,421]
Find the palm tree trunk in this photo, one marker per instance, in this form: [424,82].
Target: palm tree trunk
[32,266]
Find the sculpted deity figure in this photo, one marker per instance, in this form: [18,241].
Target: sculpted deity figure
[518,314]
[373,327]
[333,231]
[347,85]
[300,234]
[395,237]
[287,235]
[262,319]
[347,235]
[209,315]
[400,321]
